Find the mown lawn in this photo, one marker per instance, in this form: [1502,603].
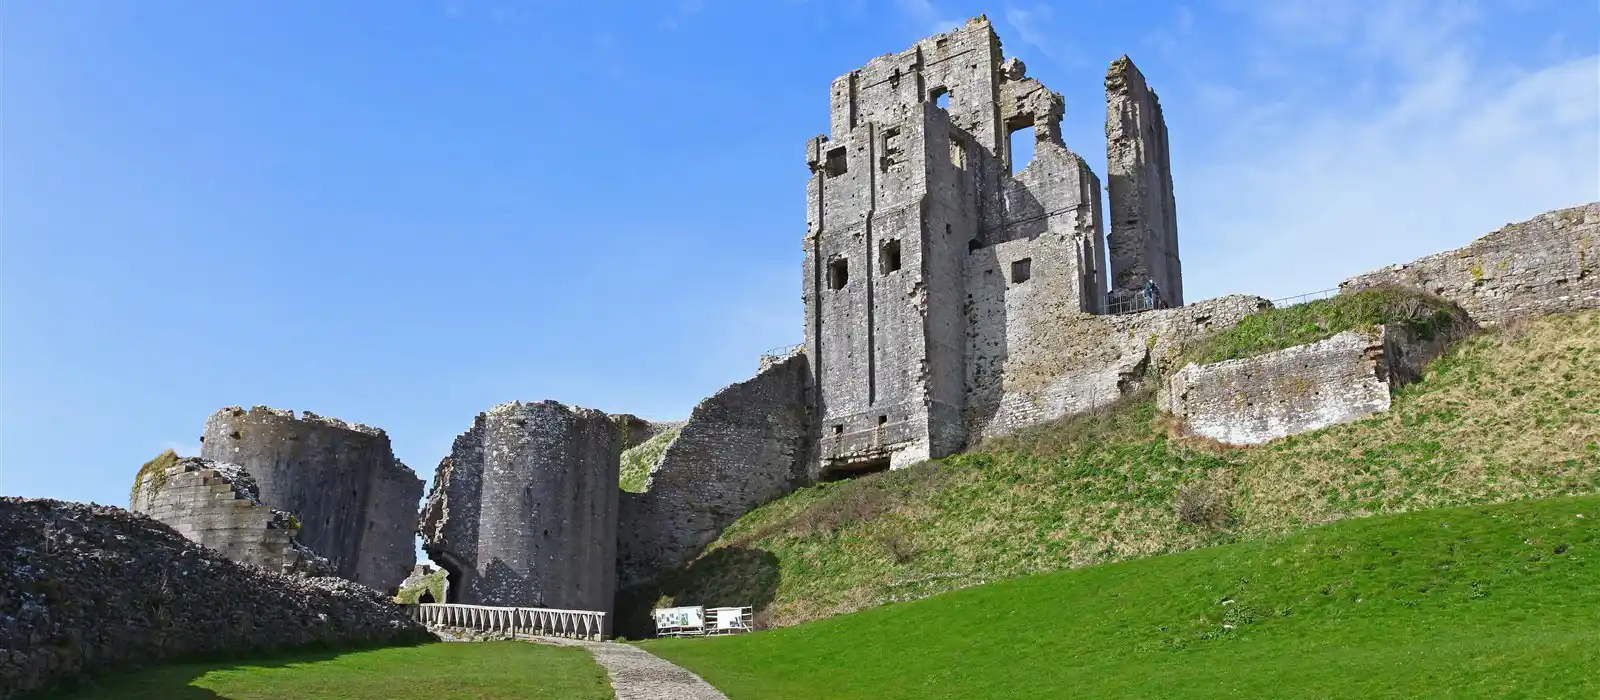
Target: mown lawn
[479,671]
[1483,602]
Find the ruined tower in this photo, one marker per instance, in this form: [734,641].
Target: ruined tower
[355,502]
[1144,216]
[929,252]
[524,510]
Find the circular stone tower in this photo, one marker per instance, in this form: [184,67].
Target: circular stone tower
[355,502]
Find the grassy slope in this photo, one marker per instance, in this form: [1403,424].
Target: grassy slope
[637,461]
[1321,319]
[1507,415]
[445,671]
[1491,601]
[434,583]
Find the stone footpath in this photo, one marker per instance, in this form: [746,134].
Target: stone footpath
[637,674]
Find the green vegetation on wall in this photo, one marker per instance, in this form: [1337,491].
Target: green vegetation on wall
[1509,414]
[637,462]
[156,471]
[434,583]
[1276,329]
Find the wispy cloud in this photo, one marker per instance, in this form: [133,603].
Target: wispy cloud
[1034,26]
[929,19]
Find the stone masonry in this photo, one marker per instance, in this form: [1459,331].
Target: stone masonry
[740,448]
[523,512]
[216,505]
[928,250]
[1144,214]
[1300,389]
[356,503]
[1547,264]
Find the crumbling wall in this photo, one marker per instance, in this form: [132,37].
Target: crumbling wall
[1303,388]
[1073,362]
[1547,264]
[216,504]
[1144,217]
[523,512]
[87,588]
[356,503]
[742,447]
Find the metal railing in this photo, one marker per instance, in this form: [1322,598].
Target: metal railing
[582,624]
[1134,304]
[1303,298]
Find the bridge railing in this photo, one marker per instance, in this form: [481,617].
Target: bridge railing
[581,624]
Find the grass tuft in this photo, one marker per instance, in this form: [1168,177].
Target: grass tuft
[1276,329]
[640,459]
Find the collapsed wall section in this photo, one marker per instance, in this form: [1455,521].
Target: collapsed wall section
[1144,219]
[742,447]
[356,503]
[1548,264]
[523,512]
[1307,387]
[216,505]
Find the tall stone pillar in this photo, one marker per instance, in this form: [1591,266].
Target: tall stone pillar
[1144,217]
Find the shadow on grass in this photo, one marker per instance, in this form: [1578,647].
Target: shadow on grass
[172,680]
[727,577]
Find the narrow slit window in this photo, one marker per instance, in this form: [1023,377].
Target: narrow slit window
[838,273]
[889,256]
[1021,270]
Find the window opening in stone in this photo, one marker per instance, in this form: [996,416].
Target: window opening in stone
[889,257]
[840,472]
[882,421]
[838,164]
[958,153]
[1021,148]
[941,43]
[940,96]
[891,149]
[838,428]
[455,580]
[973,246]
[838,273]
[1021,270]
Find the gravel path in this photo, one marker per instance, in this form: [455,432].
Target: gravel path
[637,674]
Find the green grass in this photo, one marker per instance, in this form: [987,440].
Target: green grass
[1484,602]
[638,460]
[444,671]
[1508,415]
[1279,328]
[434,583]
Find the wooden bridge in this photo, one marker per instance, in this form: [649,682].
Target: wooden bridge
[579,624]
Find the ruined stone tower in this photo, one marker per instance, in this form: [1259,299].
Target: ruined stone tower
[1144,216]
[355,502]
[927,257]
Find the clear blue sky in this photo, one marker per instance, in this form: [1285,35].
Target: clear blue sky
[405,213]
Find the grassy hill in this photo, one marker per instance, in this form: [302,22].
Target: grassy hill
[1490,601]
[1511,414]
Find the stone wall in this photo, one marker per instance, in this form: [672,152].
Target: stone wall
[1144,216]
[86,589]
[1071,362]
[523,512]
[216,505]
[1300,389]
[741,448]
[1548,264]
[356,503]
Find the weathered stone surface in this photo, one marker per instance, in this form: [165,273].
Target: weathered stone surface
[217,505]
[1061,361]
[1548,264]
[1300,389]
[740,448]
[633,430]
[922,247]
[356,503]
[87,588]
[524,510]
[1144,215]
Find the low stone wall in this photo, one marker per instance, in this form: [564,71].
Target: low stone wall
[741,448]
[1548,264]
[87,588]
[216,505]
[1299,389]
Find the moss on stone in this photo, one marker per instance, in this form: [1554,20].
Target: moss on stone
[637,462]
[411,591]
[1276,329]
[156,471]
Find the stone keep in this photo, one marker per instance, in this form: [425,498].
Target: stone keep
[356,503]
[524,510]
[928,260]
[1144,215]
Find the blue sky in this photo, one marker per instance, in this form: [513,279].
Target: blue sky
[404,213]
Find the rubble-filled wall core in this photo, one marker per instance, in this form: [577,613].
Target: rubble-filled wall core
[1547,264]
[1144,217]
[1300,389]
[356,503]
[926,257]
[742,447]
[523,512]
[217,505]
